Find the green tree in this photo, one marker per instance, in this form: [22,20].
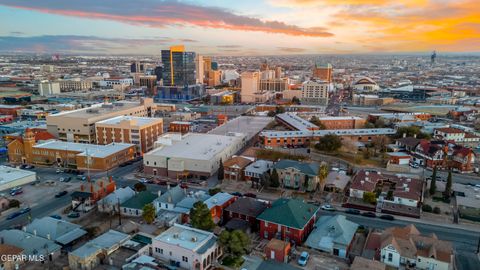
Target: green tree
[264,180]
[448,186]
[221,171]
[200,217]
[235,243]
[369,125]
[274,180]
[433,184]
[214,191]
[295,100]
[411,132]
[139,187]
[279,109]
[271,113]
[148,213]
[369,197]
[314,120]
[329,143]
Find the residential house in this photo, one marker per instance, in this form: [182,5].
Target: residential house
[169,199]
[336,181]
[408,143]
[332,234]
[184,206]
[234,168]
[96,251]
[111,203]
[246,209]
[217,203]
[256,170]
[457,135]
[6,251]
[32,245]
[187,248]
[134,205]
[60,231]
[405,246]
[288,219]
[298,175]
[444,155]
[90,193]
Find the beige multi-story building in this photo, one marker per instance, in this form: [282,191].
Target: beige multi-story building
[75,85]
[274,84]
[315,92]
[251,92]
[141,131]
[79,125]
[46,88]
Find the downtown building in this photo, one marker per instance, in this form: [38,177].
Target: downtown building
[179,76]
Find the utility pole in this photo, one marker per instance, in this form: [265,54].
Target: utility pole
[119,212]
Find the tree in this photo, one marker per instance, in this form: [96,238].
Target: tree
[411,132]
[380,123]
[448,186]
[274,181]
[369,197]
[433,185]
[221,171]
[322,174]
[148,213]
[279,109]
[369,125]
[329,143]
[214,191]
[306,182]
[235,243]
[13,203]
[200,217]
[139,187]
[366,153]
[295,100]
[264,180]
[380,143]
[314,120]
[271,114]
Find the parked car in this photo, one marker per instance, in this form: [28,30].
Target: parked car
[251,195]
[369,214]
[143,180]
[328,207]
[62,179]
[236,193]
[302,261]
[352,211]
[73,215]
[387,217]
[56,216]
[16,192]
[61,194]
[25,210]
[81,177]
[68,179]
[13,215]
[59,171]
[36,182]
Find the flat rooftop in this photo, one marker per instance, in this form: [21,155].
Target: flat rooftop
[184,236]
[9,174]
[92,150]
[196,145]
[338,132]
[340,118]
[295,121]
[105,241]
[249,125]
[134,120]
[98,109]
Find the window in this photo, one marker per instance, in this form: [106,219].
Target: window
[159,250]
[390,257]
[184,259]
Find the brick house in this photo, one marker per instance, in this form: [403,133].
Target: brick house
[234,168]
[217,203]
[288,219]
[298,175]
[246,209]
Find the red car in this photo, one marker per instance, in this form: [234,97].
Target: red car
[251,195]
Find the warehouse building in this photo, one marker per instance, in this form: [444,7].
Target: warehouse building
[194,154]
[13,177]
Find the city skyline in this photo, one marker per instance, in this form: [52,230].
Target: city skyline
[229,27]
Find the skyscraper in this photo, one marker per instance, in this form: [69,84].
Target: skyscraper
[178,66]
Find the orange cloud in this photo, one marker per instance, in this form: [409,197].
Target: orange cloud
[166,13]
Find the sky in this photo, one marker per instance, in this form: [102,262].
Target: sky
[239,27]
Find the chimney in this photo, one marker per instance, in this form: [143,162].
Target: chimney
[168,186]
[170,199]
[414,135]
[111,179]
[159,193]
[35,232]
[48,236]
[404,135]
[24,228]
[82,188]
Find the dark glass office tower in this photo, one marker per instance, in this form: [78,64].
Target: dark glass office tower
[178,67]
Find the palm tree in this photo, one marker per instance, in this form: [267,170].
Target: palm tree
[322,174]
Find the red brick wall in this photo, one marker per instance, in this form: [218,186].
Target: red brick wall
[296,235]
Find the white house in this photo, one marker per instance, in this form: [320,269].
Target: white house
[187,247]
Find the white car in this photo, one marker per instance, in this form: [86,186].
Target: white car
[328,207]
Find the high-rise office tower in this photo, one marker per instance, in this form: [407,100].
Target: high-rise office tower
[323,72]
[137,67]
[178,66]
[200,69]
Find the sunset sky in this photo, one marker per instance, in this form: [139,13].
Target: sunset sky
[240,27]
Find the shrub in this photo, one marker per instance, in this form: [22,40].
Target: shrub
[13,203]
[427,208]
[436,210]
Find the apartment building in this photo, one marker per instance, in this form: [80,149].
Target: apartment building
[141,131]
[315,92]
[79,125]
